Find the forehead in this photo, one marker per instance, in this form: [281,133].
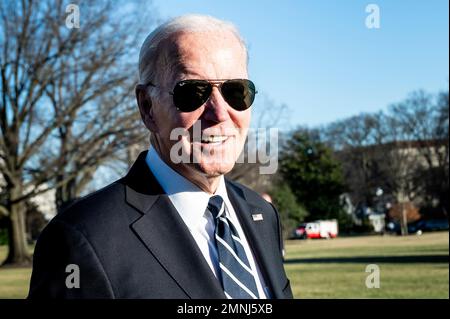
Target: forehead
[206,54]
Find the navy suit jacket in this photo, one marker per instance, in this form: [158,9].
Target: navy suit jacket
[129,241]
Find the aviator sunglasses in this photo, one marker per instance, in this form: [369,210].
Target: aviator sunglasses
[189,95]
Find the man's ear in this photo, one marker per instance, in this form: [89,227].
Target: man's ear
[144,102]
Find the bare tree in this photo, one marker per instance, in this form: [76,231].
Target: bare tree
[356,142]
[404,152]
[67,104]
[419,130]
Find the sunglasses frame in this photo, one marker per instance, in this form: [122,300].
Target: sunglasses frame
[214,83]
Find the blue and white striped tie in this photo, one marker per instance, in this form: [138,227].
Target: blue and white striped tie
[236,275]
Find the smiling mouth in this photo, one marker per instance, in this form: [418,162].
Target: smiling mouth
[214,139]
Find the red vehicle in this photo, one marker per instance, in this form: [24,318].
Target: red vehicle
[317,229]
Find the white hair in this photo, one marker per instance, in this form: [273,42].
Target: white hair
[154,57]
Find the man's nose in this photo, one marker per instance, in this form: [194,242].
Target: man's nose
[216,108]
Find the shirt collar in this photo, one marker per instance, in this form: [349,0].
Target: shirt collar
[189,200]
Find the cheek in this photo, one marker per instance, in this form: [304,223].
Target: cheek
[241,119]
[171,118]
[187,120]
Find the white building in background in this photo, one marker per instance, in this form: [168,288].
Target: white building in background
[45,203]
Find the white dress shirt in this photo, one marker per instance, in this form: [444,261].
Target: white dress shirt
[191,202]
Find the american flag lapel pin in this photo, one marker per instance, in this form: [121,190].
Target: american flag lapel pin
[257,217]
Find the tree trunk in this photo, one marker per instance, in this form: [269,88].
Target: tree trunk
[65,193]
[18,254]
[404,221]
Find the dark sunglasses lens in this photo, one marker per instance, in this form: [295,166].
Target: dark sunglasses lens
[189,95]
[239,94]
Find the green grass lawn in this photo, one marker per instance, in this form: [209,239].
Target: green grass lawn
[410,267]
[13,281]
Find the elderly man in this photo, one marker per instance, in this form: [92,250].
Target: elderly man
[173,227]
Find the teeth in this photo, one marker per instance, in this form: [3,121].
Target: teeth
[214,139]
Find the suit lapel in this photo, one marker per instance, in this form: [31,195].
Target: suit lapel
[259,235]
[165,235]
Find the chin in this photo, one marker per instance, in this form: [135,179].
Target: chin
[214,169]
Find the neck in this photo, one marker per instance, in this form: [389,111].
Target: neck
[206,183]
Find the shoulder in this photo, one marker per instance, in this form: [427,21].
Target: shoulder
[261,205]
[250,195]
[101,209]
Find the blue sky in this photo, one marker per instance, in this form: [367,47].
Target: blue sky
[320,59]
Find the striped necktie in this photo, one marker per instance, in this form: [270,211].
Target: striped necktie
[236,275]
